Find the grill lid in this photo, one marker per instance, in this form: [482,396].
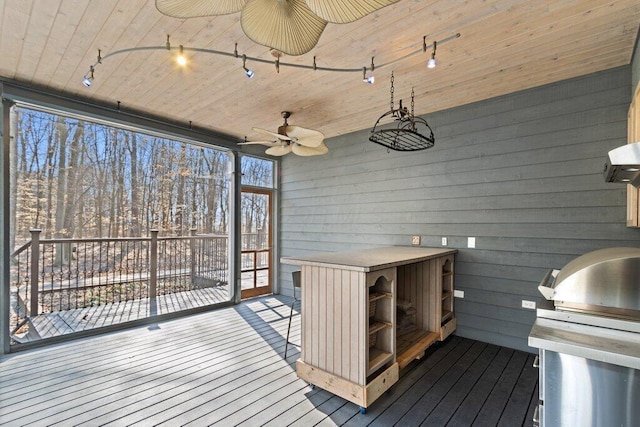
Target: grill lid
[605,282]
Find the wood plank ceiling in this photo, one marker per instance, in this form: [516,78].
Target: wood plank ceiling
[505,46]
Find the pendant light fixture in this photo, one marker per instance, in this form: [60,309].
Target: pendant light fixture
[405,132]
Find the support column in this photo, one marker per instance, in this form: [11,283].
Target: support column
[5,215]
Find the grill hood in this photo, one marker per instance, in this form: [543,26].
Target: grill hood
[605,282]
[623,165]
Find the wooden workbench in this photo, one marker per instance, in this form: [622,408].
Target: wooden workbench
[350,344]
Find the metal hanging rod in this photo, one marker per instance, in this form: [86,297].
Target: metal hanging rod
[88,77]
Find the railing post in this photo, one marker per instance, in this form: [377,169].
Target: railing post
[35,261]
[153,265]
[255,269]
[192,246]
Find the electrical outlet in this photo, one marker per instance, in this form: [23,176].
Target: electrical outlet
[471,242]
[531,305]
[444,241]
[458,293]
[415,240]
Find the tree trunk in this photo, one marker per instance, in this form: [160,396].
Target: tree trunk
[134,229]
[73,192]
[52,150]
[180,191]
[61,135]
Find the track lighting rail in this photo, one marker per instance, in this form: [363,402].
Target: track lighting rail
[89,76]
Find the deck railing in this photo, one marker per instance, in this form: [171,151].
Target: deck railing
[50,275]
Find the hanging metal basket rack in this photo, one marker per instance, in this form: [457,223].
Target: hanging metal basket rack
[407,133]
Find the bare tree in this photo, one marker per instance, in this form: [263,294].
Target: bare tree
[75,177]
[134,229]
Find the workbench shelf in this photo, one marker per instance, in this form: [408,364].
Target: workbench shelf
[380,324]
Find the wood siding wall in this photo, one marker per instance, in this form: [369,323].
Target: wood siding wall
[521,173]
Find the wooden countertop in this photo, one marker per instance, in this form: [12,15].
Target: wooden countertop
[369,259]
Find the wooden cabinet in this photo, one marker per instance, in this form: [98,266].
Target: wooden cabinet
[633,135]
[367,314]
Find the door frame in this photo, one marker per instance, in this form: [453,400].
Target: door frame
[255,291]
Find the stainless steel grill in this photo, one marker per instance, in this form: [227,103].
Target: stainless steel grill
[604,282]
[588,338]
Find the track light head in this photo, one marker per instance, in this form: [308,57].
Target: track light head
[87,79]
[181,59]
[249,73]
[431,63]
[367,79]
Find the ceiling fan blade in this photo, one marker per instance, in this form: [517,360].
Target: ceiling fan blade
[288,26]
[193,8]
[280,150]
[273,134]
[266,143]
[302,150]
[306,137]
[344,11]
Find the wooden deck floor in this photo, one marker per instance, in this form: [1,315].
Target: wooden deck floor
[225,367]
[47,325]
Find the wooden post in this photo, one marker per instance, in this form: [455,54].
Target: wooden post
[35,261]
[153,265]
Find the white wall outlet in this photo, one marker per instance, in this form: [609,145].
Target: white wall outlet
[415,240]
[444,241]
[471,242]
[531,305]
[458,293]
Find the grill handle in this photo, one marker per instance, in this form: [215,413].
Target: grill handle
[546,286]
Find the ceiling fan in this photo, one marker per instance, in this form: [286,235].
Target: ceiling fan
[293,26]
[291,139]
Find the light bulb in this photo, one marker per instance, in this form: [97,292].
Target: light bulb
[431,63]
[369,80]
[249,73]
[180,59]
